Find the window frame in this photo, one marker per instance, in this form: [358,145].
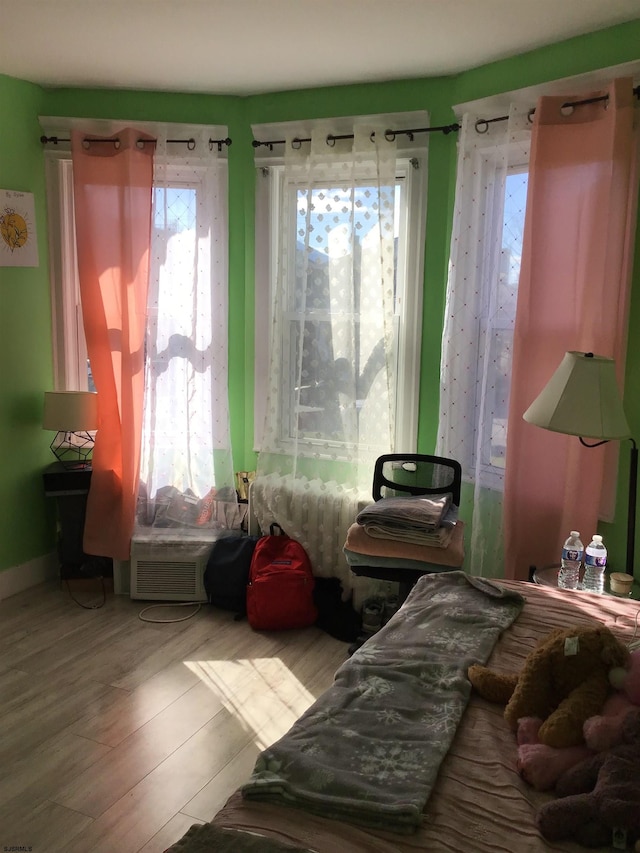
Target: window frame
[70,360]
[493,475]
[71,371]
[411,173]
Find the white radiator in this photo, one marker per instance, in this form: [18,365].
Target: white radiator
[315,513]
[169,570]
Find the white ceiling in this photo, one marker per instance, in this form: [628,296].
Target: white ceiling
[242,47]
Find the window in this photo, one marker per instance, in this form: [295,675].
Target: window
[186,377]
[185,430]
[497,323]
[174,212]
[325,374]
[484,270]
[72,371]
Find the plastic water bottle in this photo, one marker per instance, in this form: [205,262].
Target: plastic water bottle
[595,562]
[572,553]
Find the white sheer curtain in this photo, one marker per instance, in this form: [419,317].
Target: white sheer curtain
[187,478]
[330,401]
[484,269]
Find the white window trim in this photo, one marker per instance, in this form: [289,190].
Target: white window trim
[493,474]
[268,182]
[410,351]
[69,346]
[411,147]
[496,105]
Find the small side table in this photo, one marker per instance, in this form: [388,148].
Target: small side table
[70,487]
[548,576]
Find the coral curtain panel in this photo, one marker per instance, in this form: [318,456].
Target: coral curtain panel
[573,295]
[112,197]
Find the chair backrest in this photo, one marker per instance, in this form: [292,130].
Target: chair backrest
[397,474]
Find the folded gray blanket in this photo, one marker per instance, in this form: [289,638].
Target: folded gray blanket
[419,511]
[369,749]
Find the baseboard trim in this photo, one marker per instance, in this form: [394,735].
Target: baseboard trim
[18,578]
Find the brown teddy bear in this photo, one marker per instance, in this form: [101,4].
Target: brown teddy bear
[564,681]
[599,799]
[541,766]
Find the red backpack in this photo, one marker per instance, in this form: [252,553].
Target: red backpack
[280,590]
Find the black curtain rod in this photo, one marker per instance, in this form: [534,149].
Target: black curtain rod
[332,138]
[482,125]
[86,142]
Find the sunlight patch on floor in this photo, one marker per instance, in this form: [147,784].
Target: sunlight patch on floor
[261,693]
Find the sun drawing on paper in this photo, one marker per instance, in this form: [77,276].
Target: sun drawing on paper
[18,243]
[13,228]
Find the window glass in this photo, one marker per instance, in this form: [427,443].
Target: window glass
[500,319]
[337,370]
[326,291]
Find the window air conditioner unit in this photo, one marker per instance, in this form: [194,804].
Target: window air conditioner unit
[169,570]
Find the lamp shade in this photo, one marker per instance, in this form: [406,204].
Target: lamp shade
[581,398]
[70,411]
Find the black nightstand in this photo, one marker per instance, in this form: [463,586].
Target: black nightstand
[70,487]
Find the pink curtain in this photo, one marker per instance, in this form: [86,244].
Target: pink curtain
[112,190]
[573,295]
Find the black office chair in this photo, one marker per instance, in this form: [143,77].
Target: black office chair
[403,474]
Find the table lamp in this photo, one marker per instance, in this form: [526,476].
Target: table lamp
[582,399]
[74,417]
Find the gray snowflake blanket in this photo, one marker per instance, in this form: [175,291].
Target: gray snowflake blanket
[369,749]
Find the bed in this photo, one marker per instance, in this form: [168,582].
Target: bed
[475,800]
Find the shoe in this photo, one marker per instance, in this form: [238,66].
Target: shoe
[372,611]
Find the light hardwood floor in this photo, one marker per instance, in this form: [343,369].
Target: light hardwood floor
[117,734]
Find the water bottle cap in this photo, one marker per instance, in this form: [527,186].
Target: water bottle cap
[597,537]
[575,533]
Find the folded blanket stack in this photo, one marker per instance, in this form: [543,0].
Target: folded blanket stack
[419,520]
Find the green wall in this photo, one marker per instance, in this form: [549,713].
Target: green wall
[26,519]
[25,323]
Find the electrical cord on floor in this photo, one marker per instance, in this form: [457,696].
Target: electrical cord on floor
[88,606]
[195,604]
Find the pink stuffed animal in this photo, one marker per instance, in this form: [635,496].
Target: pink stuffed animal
[541,766]
[598,800]
[603,731]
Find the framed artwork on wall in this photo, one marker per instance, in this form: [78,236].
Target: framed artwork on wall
[18,243]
